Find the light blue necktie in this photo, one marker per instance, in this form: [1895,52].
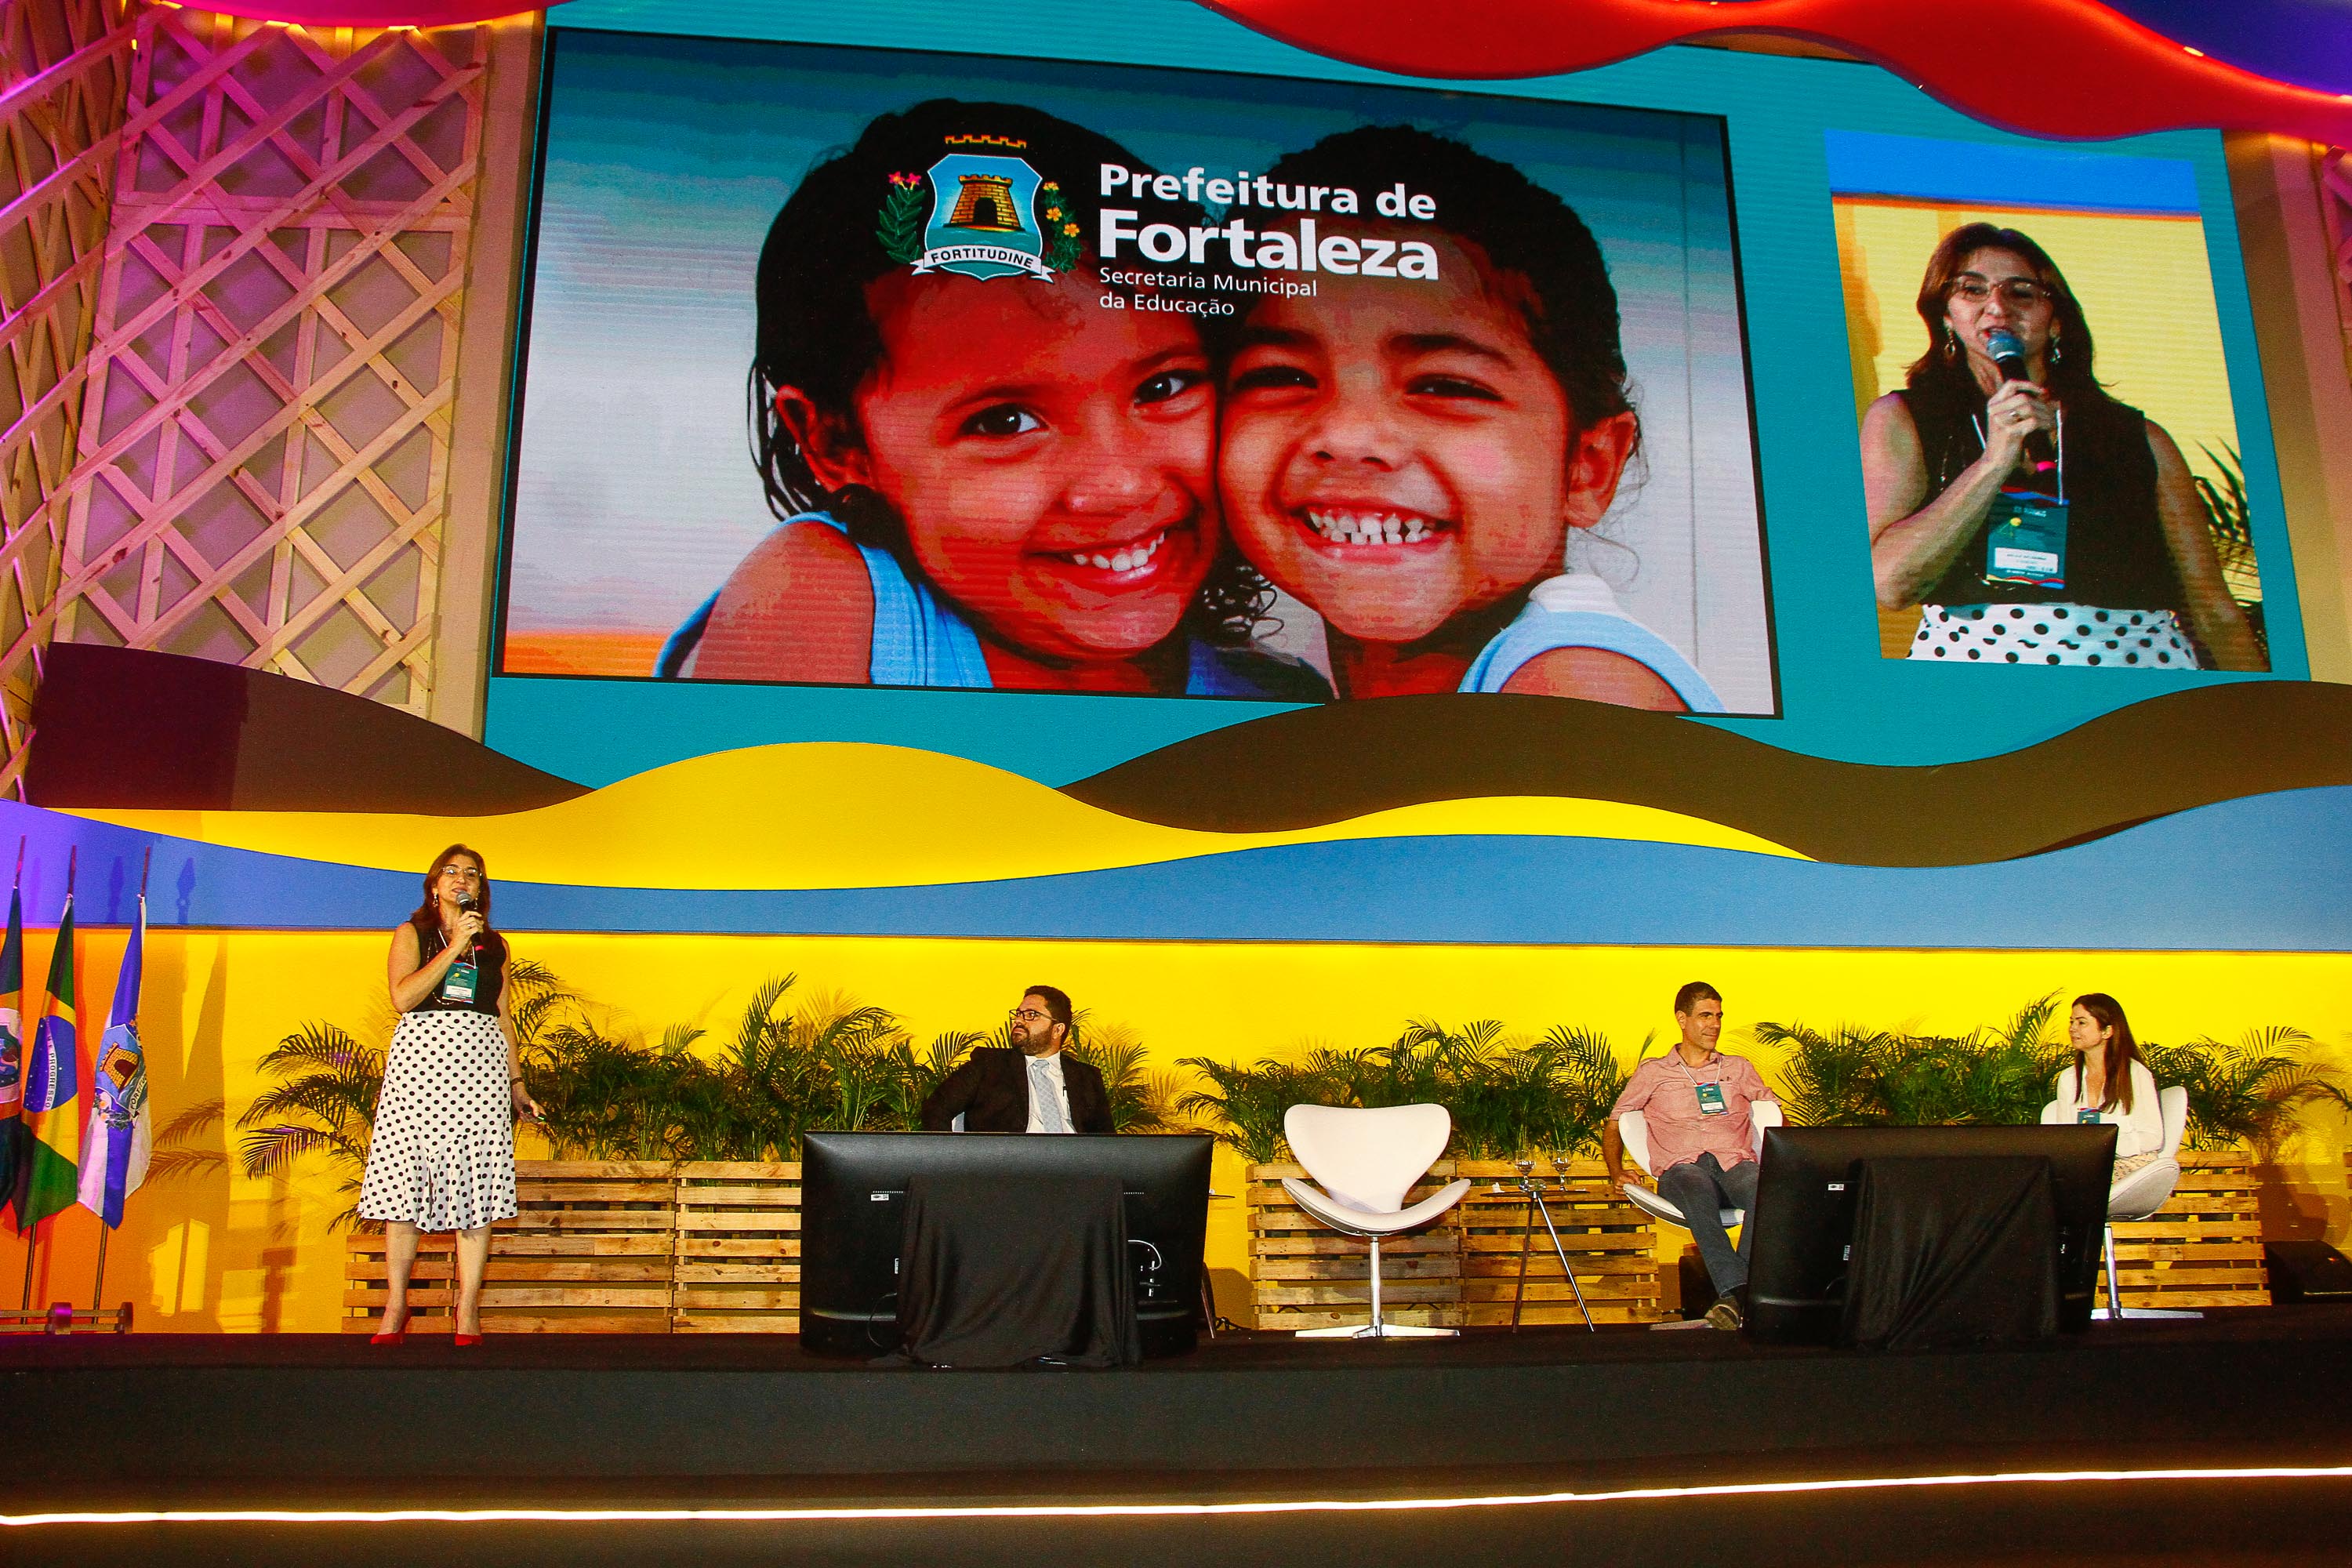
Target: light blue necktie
[1049,1103]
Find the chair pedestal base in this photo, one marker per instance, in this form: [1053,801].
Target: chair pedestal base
[1379,1332]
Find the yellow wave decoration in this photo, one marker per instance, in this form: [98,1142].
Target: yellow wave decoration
[841,815]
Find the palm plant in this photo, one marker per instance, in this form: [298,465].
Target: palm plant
[1856,1077]
[1243,1106]
[606,1097]
[2251,1093]
[324,1103]
[916,1072]
[1141,1101]
[857,1048]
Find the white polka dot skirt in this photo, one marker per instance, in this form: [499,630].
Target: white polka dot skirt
[2052,634]
[442,1156]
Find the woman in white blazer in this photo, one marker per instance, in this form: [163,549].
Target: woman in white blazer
[2109,1082]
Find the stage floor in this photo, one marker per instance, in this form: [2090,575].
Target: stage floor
[566,1424]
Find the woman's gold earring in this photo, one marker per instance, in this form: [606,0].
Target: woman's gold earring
[1951,340]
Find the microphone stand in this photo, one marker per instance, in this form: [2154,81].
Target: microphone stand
[1533,1186]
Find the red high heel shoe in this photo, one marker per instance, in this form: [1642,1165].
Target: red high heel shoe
[462,1341]
[392,1337]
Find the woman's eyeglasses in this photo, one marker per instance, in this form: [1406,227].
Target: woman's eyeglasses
[2021,292]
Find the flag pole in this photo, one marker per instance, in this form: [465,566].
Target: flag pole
[106,1231]
[33,1236]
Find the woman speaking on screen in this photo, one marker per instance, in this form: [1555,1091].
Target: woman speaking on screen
[2033,518]
[442,1154]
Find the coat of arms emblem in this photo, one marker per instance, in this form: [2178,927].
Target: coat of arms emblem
[990,215]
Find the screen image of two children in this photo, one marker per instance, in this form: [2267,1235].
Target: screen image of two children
[1029,416]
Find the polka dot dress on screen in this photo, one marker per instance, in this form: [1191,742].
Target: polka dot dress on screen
[442,1156]
[2052,634]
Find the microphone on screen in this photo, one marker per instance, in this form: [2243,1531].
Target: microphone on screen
[2009,358]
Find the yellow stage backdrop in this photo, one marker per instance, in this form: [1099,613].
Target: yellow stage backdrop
[218,1251]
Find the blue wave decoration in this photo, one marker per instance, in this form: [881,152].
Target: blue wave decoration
[2269,873]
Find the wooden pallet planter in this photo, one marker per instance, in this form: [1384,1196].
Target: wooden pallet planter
[739,1249]
[1612,1244]
[591,1252]
[2203,1248]
[1304,1275]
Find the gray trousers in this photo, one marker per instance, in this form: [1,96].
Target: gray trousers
[1702,1189]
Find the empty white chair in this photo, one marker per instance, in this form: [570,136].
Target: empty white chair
[2141,1193]
[1365,1161]
[1633,1131]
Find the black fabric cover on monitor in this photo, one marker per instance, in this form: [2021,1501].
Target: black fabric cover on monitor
[1950,1250]
[853,1187]
[1809,1188]
[996,1271]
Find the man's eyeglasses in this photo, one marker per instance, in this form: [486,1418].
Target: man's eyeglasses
[1029,1015]
[2020,292]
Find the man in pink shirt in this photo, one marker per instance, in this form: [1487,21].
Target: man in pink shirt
[1702,1147]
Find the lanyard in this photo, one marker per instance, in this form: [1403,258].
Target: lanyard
[1716,1061]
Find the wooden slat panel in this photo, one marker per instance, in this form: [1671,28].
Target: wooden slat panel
[738,1273]
[739,1219]
[734,1195]
[780,1322]
[694,1246]
[737,1301]
[1297,1266]
[1343,1268]
[1326,1244]
[653,1194]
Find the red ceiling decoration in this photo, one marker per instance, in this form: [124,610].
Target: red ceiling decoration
[2049,67]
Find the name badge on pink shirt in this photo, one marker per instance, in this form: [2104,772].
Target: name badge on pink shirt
[1710,1100]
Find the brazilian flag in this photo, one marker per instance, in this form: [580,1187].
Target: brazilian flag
[48,1176]
[12,1053]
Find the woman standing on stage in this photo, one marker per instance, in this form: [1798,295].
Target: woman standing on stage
[2108,1081]
[442,1155]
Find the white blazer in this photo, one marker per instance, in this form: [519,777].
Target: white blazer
[2141,1132]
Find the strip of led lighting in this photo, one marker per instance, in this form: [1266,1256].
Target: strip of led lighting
[1139,1509]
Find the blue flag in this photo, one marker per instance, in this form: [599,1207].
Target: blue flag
[115,1147]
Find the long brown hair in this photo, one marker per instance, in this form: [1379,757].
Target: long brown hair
[428,916]
[1946,361]
[2123,1051]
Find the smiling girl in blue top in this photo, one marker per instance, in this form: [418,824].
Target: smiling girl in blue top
[981,482]
[1408,456]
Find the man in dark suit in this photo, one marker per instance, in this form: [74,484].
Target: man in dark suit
[1036,1087]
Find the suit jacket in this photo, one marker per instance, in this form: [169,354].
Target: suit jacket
[991,1091]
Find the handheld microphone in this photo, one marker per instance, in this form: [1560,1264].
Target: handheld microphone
[465,900]
[2008,356]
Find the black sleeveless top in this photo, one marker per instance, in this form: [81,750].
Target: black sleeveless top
[2115,555]
[490,970]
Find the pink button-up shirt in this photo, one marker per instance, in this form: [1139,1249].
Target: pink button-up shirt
[1665,1091]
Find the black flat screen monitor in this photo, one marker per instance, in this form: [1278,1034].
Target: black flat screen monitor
[853,1198]
[1805,1207]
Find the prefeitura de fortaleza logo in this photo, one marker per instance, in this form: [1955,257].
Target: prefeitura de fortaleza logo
[990,215]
